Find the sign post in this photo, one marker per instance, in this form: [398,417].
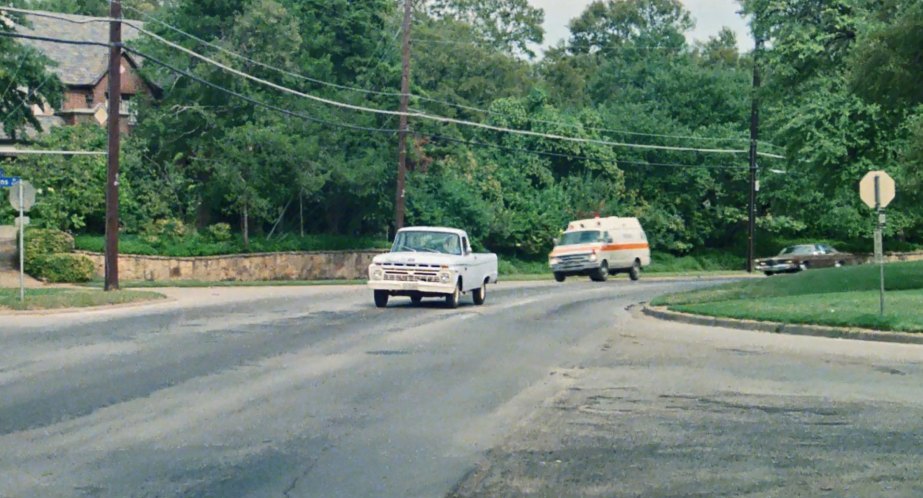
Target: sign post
[22,198]
[877,190]
[22,243]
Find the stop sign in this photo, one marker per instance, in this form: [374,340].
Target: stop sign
[886,189]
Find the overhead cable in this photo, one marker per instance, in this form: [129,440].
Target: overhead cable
[430,117]
[414,96]
[220,88]
[418,114]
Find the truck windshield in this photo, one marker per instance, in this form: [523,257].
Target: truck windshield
[584,237]
[420,241]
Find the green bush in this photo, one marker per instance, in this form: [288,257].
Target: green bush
[44,241]
[61,268]
[199,244]
[219,232]
[515,266]
[164,230]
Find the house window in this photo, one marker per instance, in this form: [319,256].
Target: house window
[129,107]
[89,100]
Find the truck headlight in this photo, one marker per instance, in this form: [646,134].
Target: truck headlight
[377,274]
[554,261]
[593,257]
[445,277]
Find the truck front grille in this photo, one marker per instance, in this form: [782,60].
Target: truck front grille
[403,273]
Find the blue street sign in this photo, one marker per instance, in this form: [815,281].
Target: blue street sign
[8,181]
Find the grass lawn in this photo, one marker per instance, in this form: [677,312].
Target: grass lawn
[47,299]
[836,296]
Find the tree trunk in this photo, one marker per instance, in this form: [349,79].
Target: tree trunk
[301,212]
[245,227]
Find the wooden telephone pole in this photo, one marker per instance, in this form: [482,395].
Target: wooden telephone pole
[112,175]
[404,106]
[754,137]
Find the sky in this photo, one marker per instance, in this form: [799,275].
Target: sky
[710,16]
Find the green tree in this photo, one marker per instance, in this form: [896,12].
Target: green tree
[606,25]
[25,81]
[72,187]
[507,25]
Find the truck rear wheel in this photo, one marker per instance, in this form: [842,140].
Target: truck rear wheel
[559,277]
[381,298]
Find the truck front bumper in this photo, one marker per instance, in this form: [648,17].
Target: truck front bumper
[411,288]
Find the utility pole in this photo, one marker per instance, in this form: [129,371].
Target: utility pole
[112,176]
[754,137]
[405,104]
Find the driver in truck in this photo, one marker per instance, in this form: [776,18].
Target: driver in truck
[450,246]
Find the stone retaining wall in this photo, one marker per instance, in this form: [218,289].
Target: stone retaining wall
[333,265]
[892,257]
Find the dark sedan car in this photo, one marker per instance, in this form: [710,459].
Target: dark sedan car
[801,257]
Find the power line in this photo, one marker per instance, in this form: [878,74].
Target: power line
[414,96]
[417,113]
[5,151]
[342,125]
[618,162]
[199,80]
[253,100]
[430,117]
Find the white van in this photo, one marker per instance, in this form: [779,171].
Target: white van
[599,247]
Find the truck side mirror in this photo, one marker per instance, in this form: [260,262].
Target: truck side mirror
[556,241]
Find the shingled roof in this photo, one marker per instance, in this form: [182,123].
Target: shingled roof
[75,65]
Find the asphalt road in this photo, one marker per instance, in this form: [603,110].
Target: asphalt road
[313,392]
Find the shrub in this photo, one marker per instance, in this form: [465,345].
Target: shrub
[219,232]
[61,268]
[44,241]
[164,230]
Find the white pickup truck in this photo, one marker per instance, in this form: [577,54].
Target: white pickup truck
[432,262]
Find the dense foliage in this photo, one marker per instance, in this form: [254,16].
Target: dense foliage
[841,96]
[48,257]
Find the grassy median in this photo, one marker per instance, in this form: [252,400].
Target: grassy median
[48,299]
[837,296]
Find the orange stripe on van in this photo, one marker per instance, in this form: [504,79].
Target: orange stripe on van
[610,247]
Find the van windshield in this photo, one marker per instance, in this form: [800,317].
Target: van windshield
[583,237]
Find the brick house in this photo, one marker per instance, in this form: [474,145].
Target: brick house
[84,72]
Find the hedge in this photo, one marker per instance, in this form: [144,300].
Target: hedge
[48,257]
[61,268]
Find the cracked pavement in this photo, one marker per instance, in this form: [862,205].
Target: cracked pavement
[548,390]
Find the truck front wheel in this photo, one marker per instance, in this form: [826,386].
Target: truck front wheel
[451,300]
[480,295]
[381,298]
[559,277]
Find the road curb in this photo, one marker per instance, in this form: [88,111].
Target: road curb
[10,313]
[663,313]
